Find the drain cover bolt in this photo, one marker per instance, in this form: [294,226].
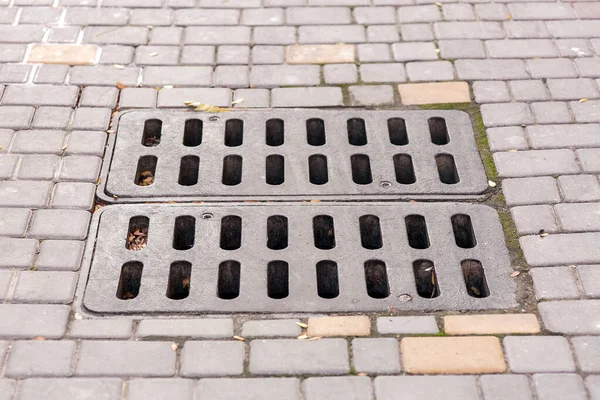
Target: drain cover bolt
[385,184]
[404,297]
[214,118]
[207,215]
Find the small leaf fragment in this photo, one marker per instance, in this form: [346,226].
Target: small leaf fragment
[302,325]
[238,101]
[316,338]
[174,346]
[492,184]
[302,337]
[118,66]
[475,290]
[38,338]
[515,274]
[154,54]
[241,339]
[78,316]
[121,85]
[64,147]
[583,100]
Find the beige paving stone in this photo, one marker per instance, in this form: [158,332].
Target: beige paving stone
[339,326]
[320,54]
[434,93]
[490,324]
[452,355]
[70,54]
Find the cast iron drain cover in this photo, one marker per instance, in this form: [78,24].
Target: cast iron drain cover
[292,154]
[304,257]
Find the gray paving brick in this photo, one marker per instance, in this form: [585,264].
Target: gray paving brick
[26,321]
[7,15]
[533,219]
[527,354]
[567,29]
[553,283]
[52,118]
[268,16]
[93,119]
[340,73]
[318,16]
[73,195]
[176,97]
[458,12]
[577,317]
[193,328]
[125,358]
[420,13]
[506,138]
[589,276]
[15,117]
[586,112]
[117,55]
[551,68]
[97,16]
[232,76]
[553,136]
[157,55]
[525,29]
[559,387]
[454,49]
[572,89]
[587,352]
[21,33]
[570,216]
[426,387]
[551,112]
[589,160]
[7,389]
[468,30]
[166,35]
[38,167]
[535,163]
[521,48]
[59,255]
[101,329]
[374,15]
[541,190]
[59,224]
[371,95]
[5,279]
[86,143]
[307,97]
[292,357]
[490,69]
[592,383]
[49,73]
[67,34]
[412,51]
[217,35]
[407,325]
[271,328]
[374,52]
[40,95]
[198,55]
[160,389]
[528,90]
[179,76]
[207,17]
[147,17]
[490,92]
[501,387]
[40,358]
[284,75]
[14,73]
[506,114]
[376,355]
[491,12]
[80,168]
[343,387]
[70,389]
[268,55]
[274,35]
[430,71]
[331,34]
[380,73]
[137,98]
[12,52]
[104,75]
[417,32]
[212,358]
[38,141]
[233,55]
[588,67]
[14,221]
[561,249]
[574,48]
[253,98]
[248,389]
[24,194]
[528,11]
[579,188]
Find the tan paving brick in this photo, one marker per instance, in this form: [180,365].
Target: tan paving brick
[320,54]
[452,355]
[434,93]
[490,324]
[69,54]
[339,326]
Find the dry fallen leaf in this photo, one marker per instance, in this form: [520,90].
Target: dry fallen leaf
[118,66]
[475,290]
[509,16]
[168,87]
[174,346]
[543,234]
[583,100]
[315,201]
[302,337]
[121,85]
[98,180]
[241,339]
[39,338]
[302,325]
[316,338]
[78,316]
[64,147]
[153,54]
[515,274]
[492,184]
[238,101]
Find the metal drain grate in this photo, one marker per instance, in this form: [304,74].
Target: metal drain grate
[298,257]
[292,154]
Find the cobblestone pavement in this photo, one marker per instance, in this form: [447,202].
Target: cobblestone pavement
[533,66]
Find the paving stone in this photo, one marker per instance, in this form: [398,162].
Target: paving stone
[94,119]
[528,354]
[274,35]
[45,287]
[297,357]
[233,55]
[551,68]
[268,55]
[592,383]
[137,98]
[559,386]
[193,328]
[40,358]
[340,73]
[587,351]
[490,92]
[207,17]
[421,13]
[528,90]
[104,75]
[458,12]
[490,69]
[494,324]
[212,358]
[21,33]
[253,98]
[6,136]
[52,118]
[407,325]
[18,253]
[12,52]
[70,54]
[117,55]
[198,55]
[381,73]
[7,15]
[168,98]
[160,389]
[40,95]
[59,224]
[588,67]
[430,71]
[491,12]
[31,194]
[15,117]
[506,114]
[506,138]
[157,55]
[574,48]
[232,76]
[120,358]
[5,280]
[339,326]
[318,16]
[343,387]
[553,136]
[26,321]
[586,112]
[579,188]
[80,168]
[577,317]
[572,89]
[426,387]
[468,30]
[551,112]
[566,29]
[307,97]
[101,329]
[179,76]
[7,388]
[452,355]
[554,283]
[320,54]
[500,387]
[97,16]
[374,52]
[77,195]
[418,32]
[14,221]
[533,219]
[70,389]
[540,190]
[248,389]
[376,355]
[217,35]
[412,51]
[269,16]
[539,162]
[331,34]
[384,33]
[271,328]
[569,216]
[454,49]
[374,15]
[14,73]
[59,255]
[38,141]
[371,95]
[528,11]
[521,48]
[589,276]
[430,93]
[166,36]
[67,34]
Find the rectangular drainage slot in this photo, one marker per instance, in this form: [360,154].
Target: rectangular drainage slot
[275,169]
[278,279]
[275,131]
[130,280]
[403,166]
[232,170]
[188,170]
[376,279]
[438,131]
[152,133]
[397,131]
[192,133]
[463,231]
[370,232]
[328,285]
[234,132]
[357,133]
[146,169]
[180,275]
[315,132]
[475,278]
[277,232]
[228,285]
[137,233]
[317,166]
[231,232]
[416,229]
[184,232]
[426,279]
[447,169]
[361,169]
[323,231]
